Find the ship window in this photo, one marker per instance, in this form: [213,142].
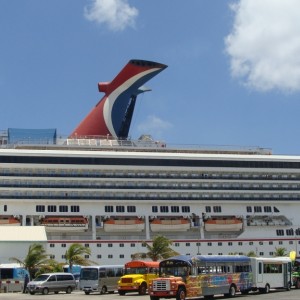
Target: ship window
[75,208]
[131,208]
[122,256]
[121,245]
[63,245]
[175,209]
[257,209]
[63,208]
[98,245]
[185,209]
[40,208]
[275,209]
[109,208]
[249,209]
[280,243]
[250,243]
[176,244]
[267,209]
[86,245]
[154,209]
[290,231]
[164,209]
[109,245]
[279,232]
[110,256]
[229,243]
[51,208]
[187,244]
[207,209]
[52,245]
[209,244]
[99,256]
[217,209]
[198,244]
[86,256]
[132,245]
[240,243]
[120,208]
[297,231]
[219,243]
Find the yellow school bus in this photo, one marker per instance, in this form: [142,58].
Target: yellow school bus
[138,274]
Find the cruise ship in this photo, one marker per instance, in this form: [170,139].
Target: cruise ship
[112,194]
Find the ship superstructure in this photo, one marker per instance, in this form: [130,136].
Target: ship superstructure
[112,194]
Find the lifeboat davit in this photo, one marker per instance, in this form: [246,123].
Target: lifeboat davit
[170,224]
[65,223]
[223,224]
[123,224]
[9,221]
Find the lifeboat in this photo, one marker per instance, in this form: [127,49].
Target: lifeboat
[123,224]
[65,223]
[9,221]
[223,224]
[170,224]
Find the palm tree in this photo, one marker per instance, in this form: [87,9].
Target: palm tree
[35,258]
[280,252]
[251,254]
[74,255]
[160,249]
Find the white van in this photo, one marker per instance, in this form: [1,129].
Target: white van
[52,282]
[100,279]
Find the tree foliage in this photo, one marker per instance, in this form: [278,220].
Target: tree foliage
[280,251]
[159,249]
[251,254]
[75,255]
[36,258]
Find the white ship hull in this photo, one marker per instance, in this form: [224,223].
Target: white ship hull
[193,186]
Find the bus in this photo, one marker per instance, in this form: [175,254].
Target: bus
[187,276]
[271,273]
[12,277]
[100,279]
[138,274]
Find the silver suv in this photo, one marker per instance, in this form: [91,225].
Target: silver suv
[52,282]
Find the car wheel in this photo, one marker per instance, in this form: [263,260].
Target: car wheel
[45,291]
[103,290]
[143,289]
[180,294]
[69,290]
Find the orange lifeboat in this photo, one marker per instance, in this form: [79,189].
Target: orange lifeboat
[123,224]
[57,223]
[9,221]
[170,224]
[223,224]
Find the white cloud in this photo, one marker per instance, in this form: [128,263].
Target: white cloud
[154,126]
[116,14]
[264,45]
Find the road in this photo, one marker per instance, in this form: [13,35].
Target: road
[280,295]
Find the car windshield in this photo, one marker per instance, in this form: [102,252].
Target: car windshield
[41,278]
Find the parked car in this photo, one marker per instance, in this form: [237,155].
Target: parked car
[52,282]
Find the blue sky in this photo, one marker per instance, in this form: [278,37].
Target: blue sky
[233,75]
